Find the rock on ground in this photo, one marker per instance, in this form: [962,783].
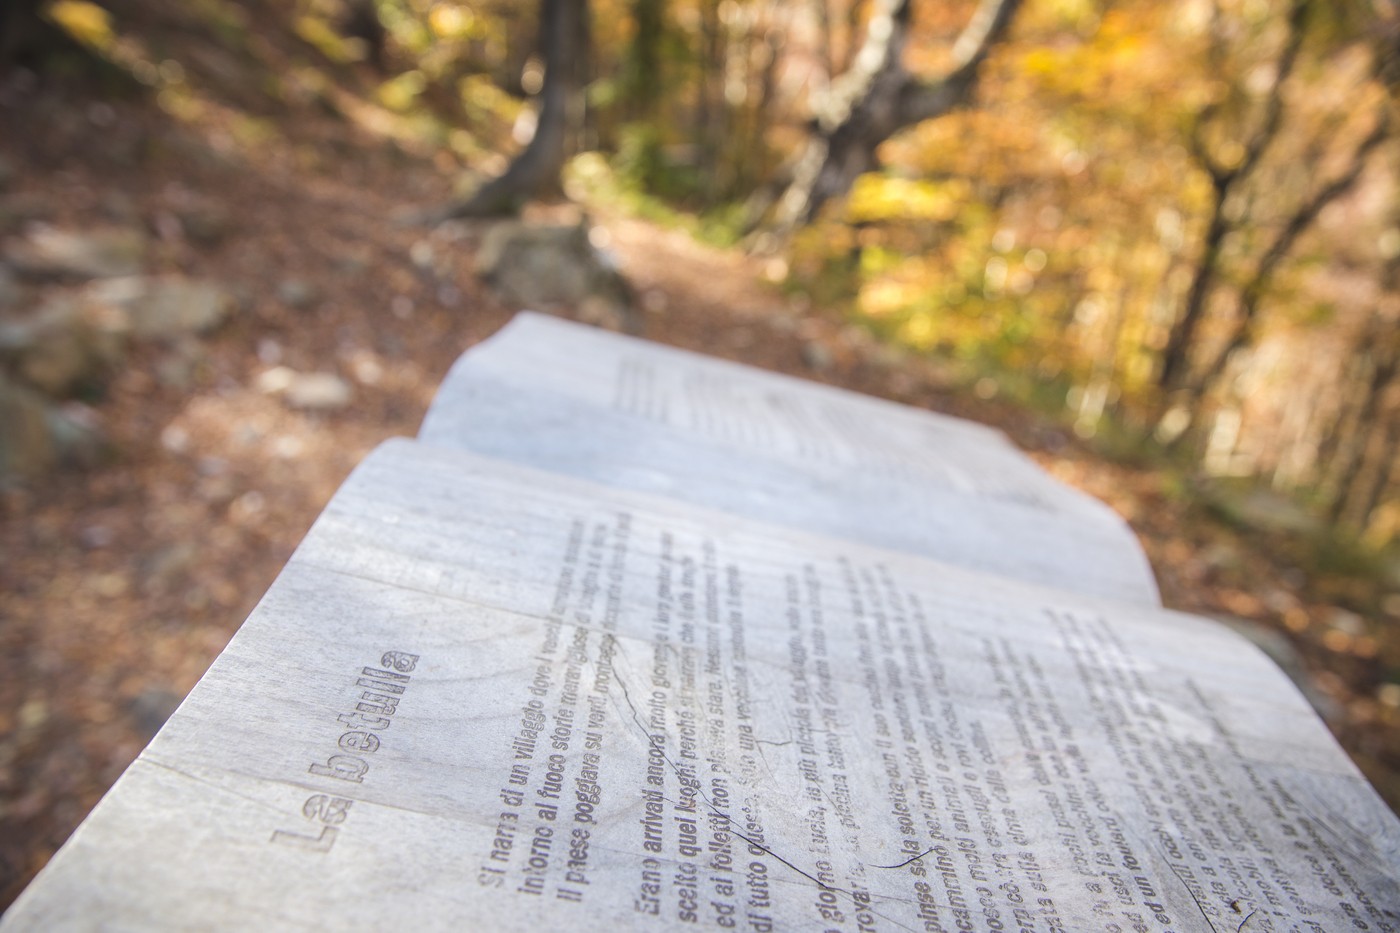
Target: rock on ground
[50,253]
[164,308]
[37,435]
[550,265]
[306,391]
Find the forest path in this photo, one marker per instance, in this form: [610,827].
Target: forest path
[119,583]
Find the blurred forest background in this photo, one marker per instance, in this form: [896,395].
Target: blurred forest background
[241,242]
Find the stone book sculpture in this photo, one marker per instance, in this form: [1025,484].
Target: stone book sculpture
[633,639]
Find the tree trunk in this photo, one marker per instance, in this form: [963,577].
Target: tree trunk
[1242,332]
[751,158]
[361,21]
[852,37]
[1183,332]
[877,98]
[19,24]
[1224,178]
[1343,426]
[1379,350]
[563,39]
[709,102]
[30,39]
[825,55]
[1383,477]
[1371,477]
[644,73]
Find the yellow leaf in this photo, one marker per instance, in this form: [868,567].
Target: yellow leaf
[86,22]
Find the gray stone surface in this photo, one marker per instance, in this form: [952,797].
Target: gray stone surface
[26,447]
[36,434]
[308,391]
[498,698]
[62,346]
[205,222]
[1266,511]
[548,266]
[166,307]
[78,335]
[319,392]
[11,292]
[553,394]
[485,694]
[297,293]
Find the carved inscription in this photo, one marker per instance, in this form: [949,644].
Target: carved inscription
[380,690]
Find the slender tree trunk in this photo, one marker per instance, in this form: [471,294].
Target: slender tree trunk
[1383,478]
[1380,350]
[825,55]
[852,35]
[19,23]
[30,39]
[535,171]
[1243,329]
[1369,480]
[751,161]
[710,107]
[1183,333]
[1225,178]
[644,79]
[361,21]
[1343,427]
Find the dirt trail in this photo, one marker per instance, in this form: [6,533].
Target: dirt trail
[119,584]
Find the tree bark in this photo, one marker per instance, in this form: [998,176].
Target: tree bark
[1378,353]
[28,38]
[710,111]
[877,98]
[19,23]
[644,72]
[1224,179]
[1242,333]
[361,21]
[1183,332]
[563,39]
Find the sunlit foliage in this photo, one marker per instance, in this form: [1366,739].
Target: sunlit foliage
[1121,163]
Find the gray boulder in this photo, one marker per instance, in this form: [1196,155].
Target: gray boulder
[11,294]
[78,335]
[64,345]
[1263,510]
[545,266]
[26,449]
[37,435]
[165,308]
[306,391]
[50,253]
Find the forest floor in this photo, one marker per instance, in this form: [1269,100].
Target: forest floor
[119,583]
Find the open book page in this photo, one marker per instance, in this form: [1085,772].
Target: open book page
[627,413]
[489,697]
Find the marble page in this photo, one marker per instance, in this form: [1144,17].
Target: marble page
[573,399]
[487,697]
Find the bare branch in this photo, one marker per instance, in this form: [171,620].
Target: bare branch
[879,57]
[1273,109]
[1304,216]
[1223,179]
[1222,176]
[1298,223]
[983,31]
[564,39]
[924,100]
[877,98]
